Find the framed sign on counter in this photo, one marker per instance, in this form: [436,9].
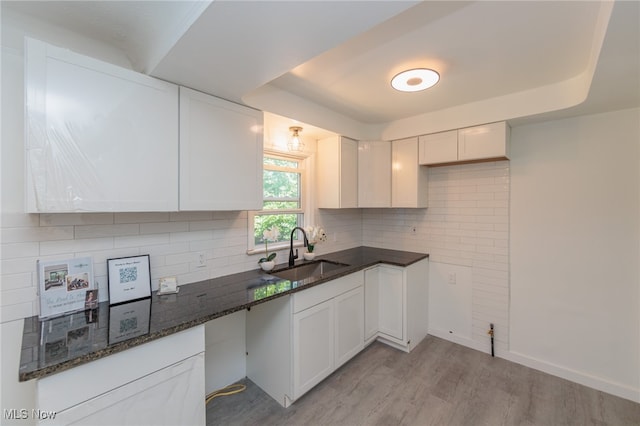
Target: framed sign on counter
[129,278]
[64,285]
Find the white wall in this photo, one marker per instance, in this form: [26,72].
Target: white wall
[552,238]
[575,227]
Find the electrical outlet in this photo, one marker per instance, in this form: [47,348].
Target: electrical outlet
[452,278]
[202,260]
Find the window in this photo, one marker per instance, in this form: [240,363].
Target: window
[283,183]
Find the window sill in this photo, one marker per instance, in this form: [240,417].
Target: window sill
[275,247]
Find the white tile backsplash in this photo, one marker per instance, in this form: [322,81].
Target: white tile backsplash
[172,240]
[466,224]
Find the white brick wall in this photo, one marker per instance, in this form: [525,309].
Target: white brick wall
[467,223]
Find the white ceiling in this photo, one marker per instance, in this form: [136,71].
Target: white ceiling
[329,63]
[481,50]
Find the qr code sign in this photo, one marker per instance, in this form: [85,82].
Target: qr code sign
[128,324]
[128,274]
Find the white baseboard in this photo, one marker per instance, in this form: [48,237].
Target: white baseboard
[607,386]
[598,383]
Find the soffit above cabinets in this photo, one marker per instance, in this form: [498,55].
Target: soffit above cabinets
[143,30]
[329,63]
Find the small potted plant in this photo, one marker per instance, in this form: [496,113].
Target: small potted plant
[267,263]
[315,235]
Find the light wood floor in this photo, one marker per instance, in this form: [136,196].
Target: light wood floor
[439,383]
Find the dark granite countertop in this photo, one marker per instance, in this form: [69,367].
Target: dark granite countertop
[57,344]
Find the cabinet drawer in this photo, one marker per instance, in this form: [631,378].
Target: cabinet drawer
[318,294]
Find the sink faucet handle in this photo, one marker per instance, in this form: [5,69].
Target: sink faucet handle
[292,258]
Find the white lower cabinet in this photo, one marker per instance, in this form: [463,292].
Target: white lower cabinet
[349,325]
[165,397]
[371,304]
[396,304]
[158,383]
[294,343]
[392,295]
[313,346]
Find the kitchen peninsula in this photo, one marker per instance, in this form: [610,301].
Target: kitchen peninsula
[93,335]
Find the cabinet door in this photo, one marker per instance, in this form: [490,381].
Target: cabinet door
[392,302]
[99,138]
[328,173]
[171,396]
[337,173]
[220,154]
[482,142]
[349,325]
[348,173]
[371,302]
[438,148]
[374,174]
[313,346]
[408,179]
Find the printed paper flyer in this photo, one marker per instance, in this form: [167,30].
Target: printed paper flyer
[63,285]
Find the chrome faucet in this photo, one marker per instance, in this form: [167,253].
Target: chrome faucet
[292,258]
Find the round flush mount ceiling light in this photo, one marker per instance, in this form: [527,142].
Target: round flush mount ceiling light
[415,80]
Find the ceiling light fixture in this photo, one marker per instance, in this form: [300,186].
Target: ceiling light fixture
[295,143]
[415,80]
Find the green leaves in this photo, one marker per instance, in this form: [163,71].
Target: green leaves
[268,259]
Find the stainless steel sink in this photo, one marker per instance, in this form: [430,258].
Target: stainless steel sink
[317,268]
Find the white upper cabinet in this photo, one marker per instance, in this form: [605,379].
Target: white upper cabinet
[337,173]
[374,174]
[438,148]
[489,141]
[478,143]
[220,154]
[408,180]
[98,137]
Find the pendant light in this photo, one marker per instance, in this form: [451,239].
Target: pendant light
[295,144]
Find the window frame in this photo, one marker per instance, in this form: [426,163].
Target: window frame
[252,246]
